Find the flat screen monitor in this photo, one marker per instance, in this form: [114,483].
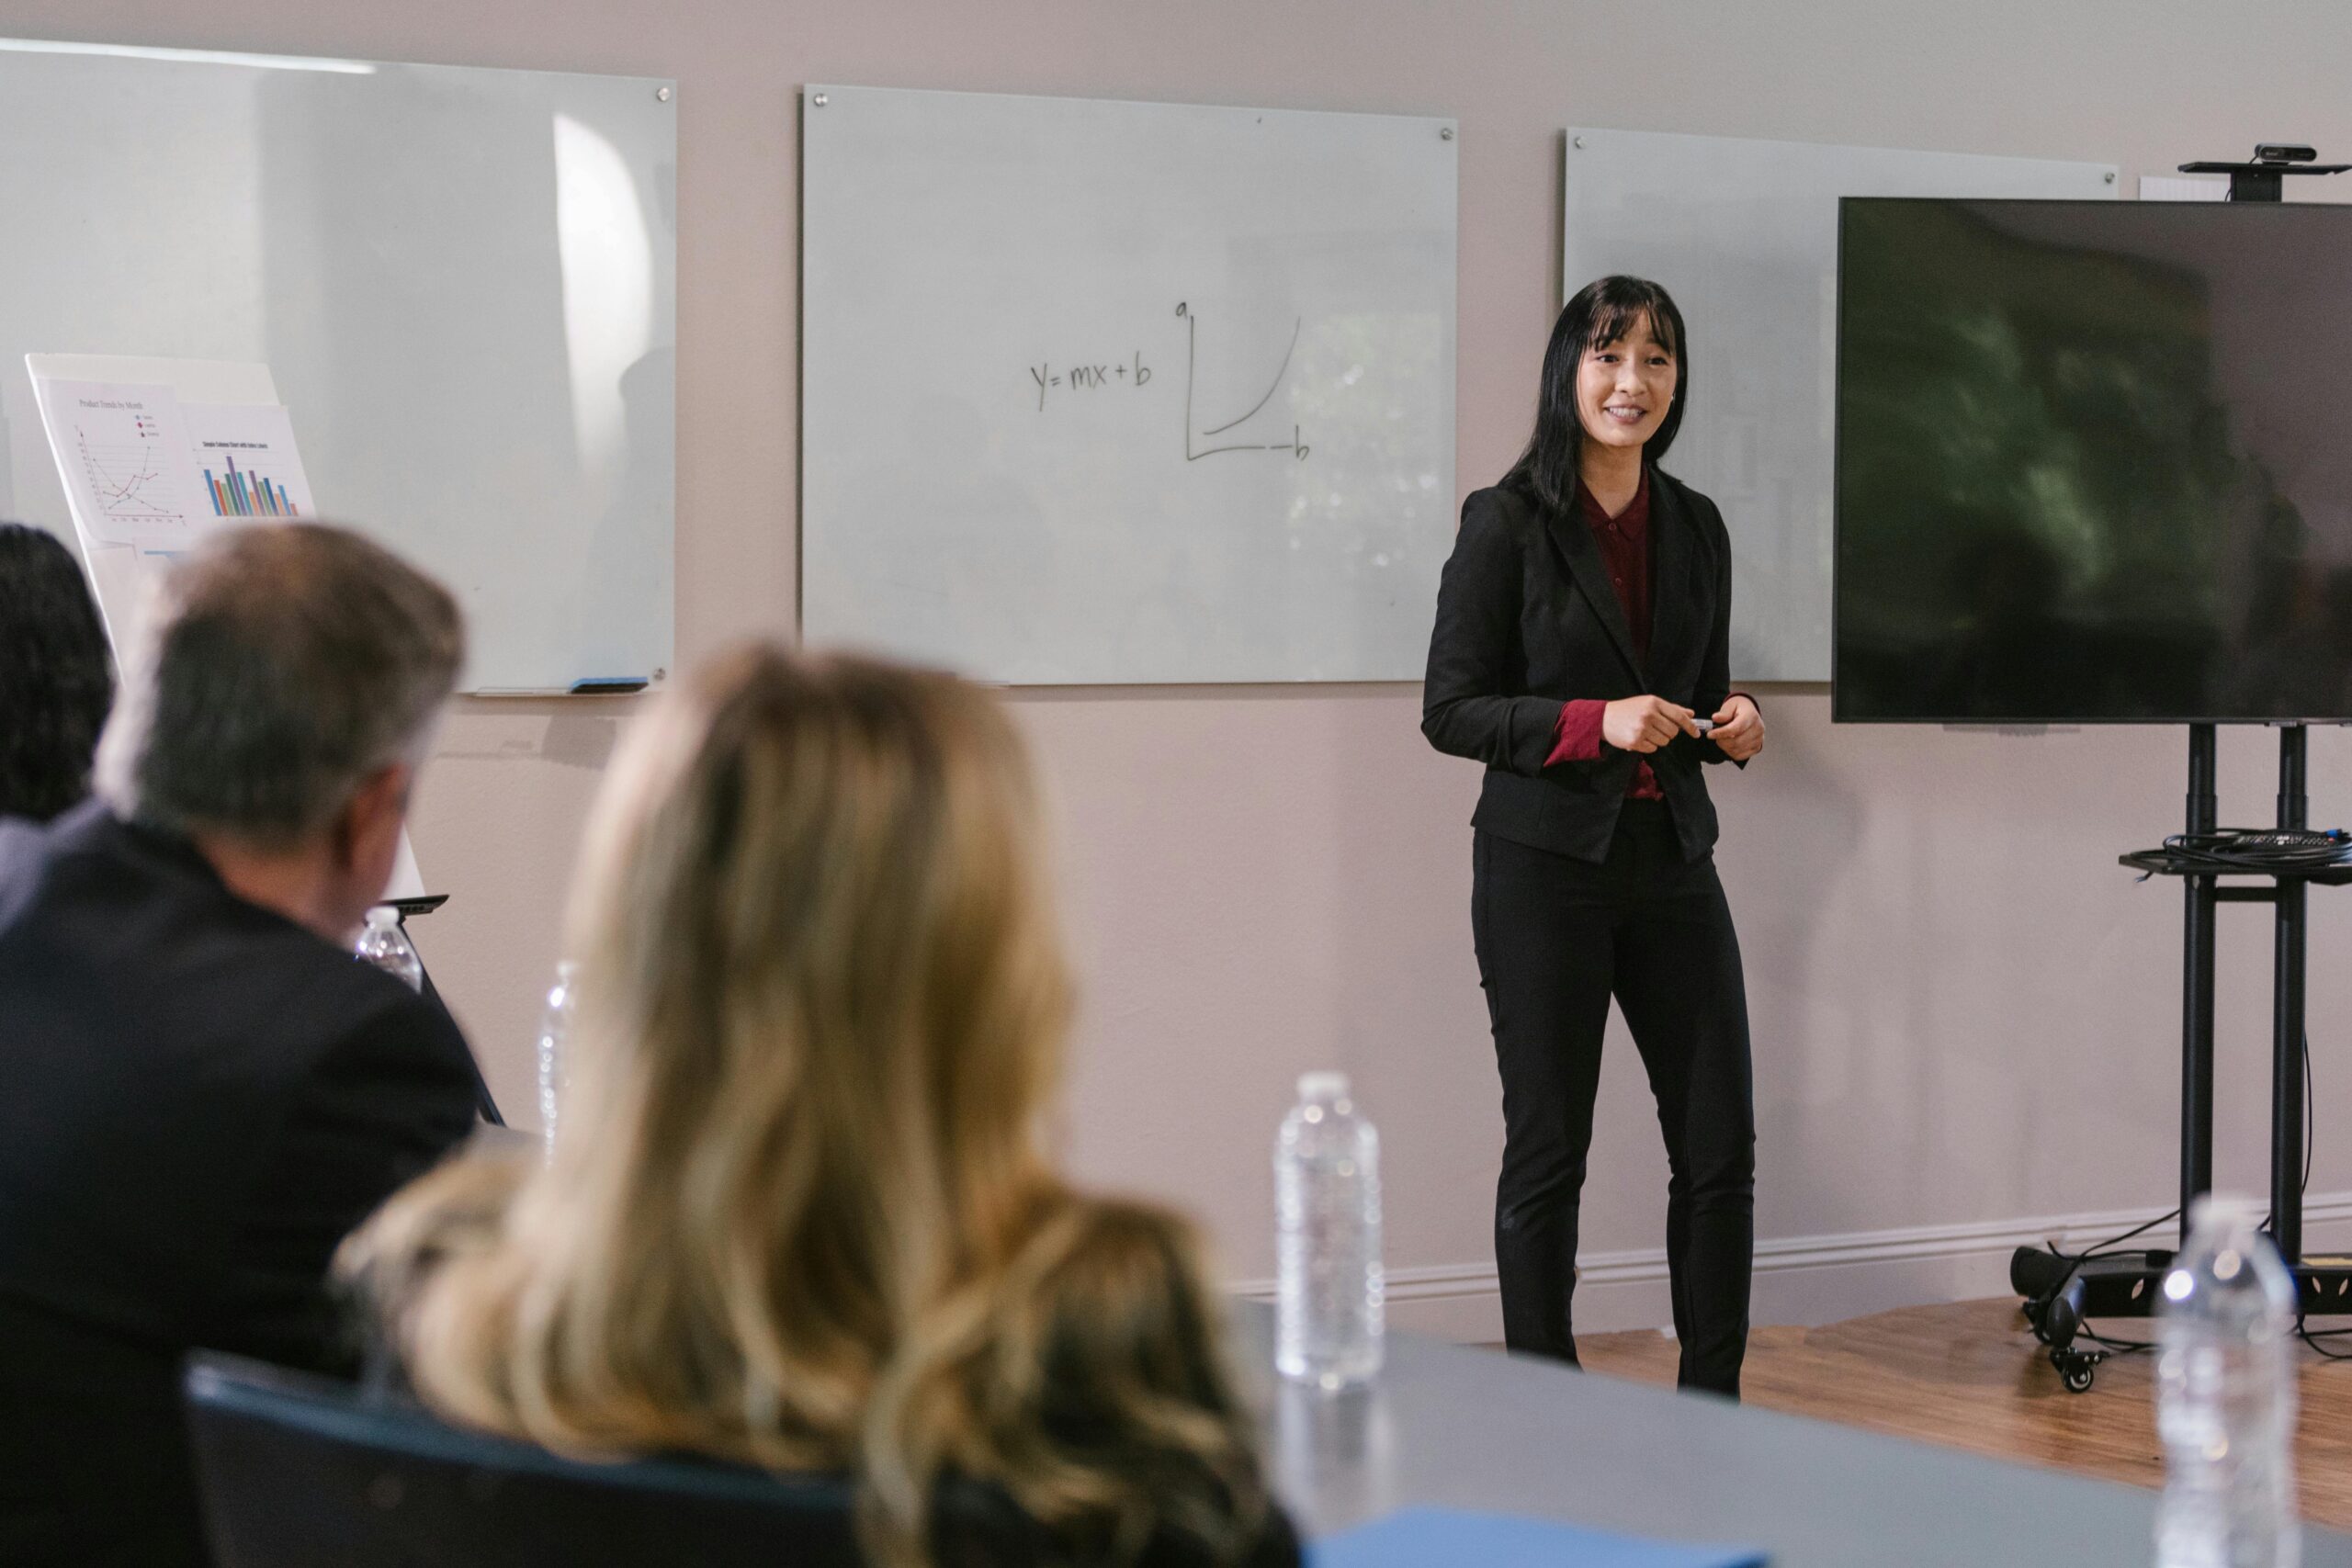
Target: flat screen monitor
[2094,462]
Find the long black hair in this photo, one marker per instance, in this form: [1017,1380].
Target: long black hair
[55,681]
[1602,311]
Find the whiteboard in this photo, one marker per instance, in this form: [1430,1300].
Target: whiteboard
[1743,234]
[1123,392]
[462,282]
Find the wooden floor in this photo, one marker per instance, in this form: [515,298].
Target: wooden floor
[1969,1375]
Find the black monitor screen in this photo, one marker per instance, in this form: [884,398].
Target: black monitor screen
[2094,462]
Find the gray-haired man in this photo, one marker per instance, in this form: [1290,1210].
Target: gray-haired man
[203,1092]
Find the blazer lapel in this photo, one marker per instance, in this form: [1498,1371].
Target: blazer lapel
[1590,574]
[1672,604]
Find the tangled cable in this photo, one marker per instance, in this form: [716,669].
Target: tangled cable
[2261,851]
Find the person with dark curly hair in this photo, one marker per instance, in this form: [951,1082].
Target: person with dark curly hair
[55,681]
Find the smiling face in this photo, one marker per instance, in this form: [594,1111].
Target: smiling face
[1624,387]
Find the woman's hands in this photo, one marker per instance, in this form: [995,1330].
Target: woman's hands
[1644,724]
[1739,728]
[1647,724]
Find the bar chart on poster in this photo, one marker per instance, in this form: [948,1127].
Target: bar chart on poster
[1119,393]
[270,483]
[457,288]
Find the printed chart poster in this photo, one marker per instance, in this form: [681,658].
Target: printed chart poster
[123,453]
[245,462]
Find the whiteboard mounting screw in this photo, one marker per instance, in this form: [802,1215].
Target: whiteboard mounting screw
[1579,141]
[2110,176]
[663,94]
[660,675]
[819,100]
[1445,133]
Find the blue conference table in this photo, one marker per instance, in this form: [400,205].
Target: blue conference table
[1448,1426]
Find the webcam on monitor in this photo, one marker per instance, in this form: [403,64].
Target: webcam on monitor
[2259,180]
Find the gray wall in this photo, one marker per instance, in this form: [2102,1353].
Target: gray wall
[1965,1013]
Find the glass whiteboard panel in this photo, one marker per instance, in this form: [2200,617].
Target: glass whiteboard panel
[1107,392]
[1743,234]
[462,282]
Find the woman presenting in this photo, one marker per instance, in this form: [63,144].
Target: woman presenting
[1582,653]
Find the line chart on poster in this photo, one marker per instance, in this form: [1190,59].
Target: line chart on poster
[131,479]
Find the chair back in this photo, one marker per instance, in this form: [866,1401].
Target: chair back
[299,1471]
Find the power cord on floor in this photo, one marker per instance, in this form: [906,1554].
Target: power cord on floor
[2303,1331]
[2312,1337]
[2111,1244]
[2332,846]
[2075,1260]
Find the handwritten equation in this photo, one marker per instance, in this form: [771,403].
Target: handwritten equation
[1087,377]
[1049,382]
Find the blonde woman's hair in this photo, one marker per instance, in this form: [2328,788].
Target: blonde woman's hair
[796,1216]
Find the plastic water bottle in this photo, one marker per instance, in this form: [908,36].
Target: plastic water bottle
[555,1034]
[383,943]
[2225,1398]
[1327,1308]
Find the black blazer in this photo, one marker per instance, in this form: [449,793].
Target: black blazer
[1528,620]
[201,1098]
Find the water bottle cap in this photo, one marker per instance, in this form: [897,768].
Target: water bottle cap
[1323,1086]
[383,915]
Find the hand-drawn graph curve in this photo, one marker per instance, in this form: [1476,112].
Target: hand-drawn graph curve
[1193,452]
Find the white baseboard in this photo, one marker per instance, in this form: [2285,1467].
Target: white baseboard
[1804,1280]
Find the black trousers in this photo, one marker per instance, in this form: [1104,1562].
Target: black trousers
[1556,938]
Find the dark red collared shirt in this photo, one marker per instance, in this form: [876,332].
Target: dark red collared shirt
[1624,542]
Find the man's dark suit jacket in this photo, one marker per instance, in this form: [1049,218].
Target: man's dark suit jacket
[1527,620]
[199,1098]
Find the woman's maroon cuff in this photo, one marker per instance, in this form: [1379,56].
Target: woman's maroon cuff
[1577,739]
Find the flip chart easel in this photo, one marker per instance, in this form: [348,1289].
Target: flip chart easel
[122,576]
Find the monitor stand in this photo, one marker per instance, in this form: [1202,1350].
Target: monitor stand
[2061,1290]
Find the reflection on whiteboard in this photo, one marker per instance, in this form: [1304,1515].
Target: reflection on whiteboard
[1743,234]
[1110,392]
